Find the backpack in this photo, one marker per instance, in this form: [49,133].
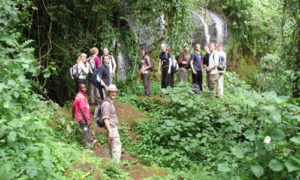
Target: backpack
[98,115]
[94,78]
[92,64]
[74,71]
[221,65]
[196,88]
[174,66]
[152,68]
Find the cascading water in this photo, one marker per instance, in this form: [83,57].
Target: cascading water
[202,22]
[213,27]
[123,65]
[220,26]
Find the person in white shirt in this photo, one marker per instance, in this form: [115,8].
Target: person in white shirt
[221,68]
[213,71]
[83,70]
[112,63]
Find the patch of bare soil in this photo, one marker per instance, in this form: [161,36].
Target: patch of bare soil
[139,172]
[99,151]
[129,114]
[86,168]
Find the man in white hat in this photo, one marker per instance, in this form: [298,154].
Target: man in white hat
[111,120]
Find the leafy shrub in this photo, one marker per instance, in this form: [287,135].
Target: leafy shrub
[225,134]
[29,149]
[274,75]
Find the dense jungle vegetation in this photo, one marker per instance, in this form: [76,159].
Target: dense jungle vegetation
[253,132]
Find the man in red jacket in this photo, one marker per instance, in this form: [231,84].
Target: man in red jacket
[81,109]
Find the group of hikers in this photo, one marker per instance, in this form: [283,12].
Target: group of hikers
[213,62]
[103,92]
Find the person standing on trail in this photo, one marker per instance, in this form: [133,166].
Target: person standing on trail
[221,68]
[81,110]
[206,63]
[213,71]
[164,66]
[111,121]
[101,77]
[197,66]
[145,72]
[83,70]
[112,63]
[94,63]
[173,67]
[183,61]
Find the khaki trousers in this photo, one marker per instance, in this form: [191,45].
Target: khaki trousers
[146,81]
[113,147]
[182,74]
[95,95]
[221,85]
[213,83]
[86,135]
[207,80]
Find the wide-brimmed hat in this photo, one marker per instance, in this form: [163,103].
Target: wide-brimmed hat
[112,87]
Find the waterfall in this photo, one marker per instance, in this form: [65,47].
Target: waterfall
[123,61]
[204,24]
[220,26]
[123,65]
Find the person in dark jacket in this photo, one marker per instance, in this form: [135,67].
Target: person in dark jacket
[101,77]
[206,63]
[197,66]
[164,68]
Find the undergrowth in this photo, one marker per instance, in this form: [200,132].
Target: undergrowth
[226,136]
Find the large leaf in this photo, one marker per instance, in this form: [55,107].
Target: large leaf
[293,163]
[277,134]
[275,165]
[223,167]
[276,117]
[12,136]
[257,170]
[295,140]
[47,164]
[291,166]
[5,172]
[250,134]
[239,151]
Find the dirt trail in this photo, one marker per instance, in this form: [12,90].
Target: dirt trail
[128,115]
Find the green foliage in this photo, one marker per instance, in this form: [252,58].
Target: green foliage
[174,14]
[256,41]
[271,68]
[226,135]
[250,22]
[29,147]
[64,29]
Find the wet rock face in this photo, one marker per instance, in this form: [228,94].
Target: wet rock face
[210,27]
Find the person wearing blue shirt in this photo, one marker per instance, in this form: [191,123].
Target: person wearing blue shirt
[197,66]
